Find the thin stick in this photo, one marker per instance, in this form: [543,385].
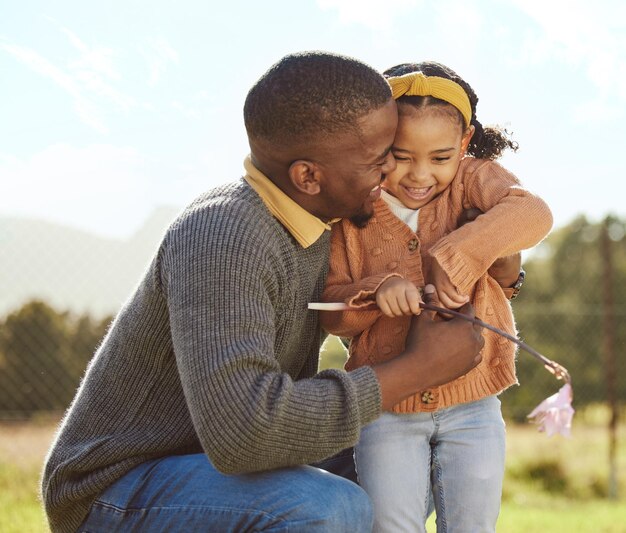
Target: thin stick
[560,372]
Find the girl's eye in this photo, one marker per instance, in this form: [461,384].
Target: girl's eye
[441,159]
[399,158]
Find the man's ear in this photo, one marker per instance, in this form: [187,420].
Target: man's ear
[305,176]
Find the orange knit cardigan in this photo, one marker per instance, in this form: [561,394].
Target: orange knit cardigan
[361,259]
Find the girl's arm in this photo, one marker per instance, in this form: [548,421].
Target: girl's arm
[344,284]
[514,219]
[505,270]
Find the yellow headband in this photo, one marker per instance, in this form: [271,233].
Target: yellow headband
[417,84]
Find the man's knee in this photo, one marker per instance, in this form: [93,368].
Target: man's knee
[344,506]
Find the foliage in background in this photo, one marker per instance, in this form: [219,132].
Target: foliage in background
[43,355]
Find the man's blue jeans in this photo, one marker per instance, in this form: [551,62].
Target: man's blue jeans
[186,493]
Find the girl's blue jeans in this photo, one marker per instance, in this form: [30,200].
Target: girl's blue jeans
[458,451]
[187,494]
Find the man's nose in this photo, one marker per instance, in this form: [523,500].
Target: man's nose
[389,164]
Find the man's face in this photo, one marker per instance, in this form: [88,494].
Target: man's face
[356,165]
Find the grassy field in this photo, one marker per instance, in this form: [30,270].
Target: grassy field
[22,449]
[552,484]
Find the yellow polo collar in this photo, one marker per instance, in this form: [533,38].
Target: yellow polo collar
[305,227]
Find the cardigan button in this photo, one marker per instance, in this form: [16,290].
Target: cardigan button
[392,265]
[376,251]
[495,361]
[428,397]
[413,244]
[386,350]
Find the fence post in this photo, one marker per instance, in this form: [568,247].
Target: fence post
[609,352]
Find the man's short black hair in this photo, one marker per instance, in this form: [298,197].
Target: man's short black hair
[306,96]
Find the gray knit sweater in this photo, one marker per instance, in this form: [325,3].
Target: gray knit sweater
[215,352]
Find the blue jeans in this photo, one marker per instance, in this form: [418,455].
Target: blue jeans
[457,451]
[186,493]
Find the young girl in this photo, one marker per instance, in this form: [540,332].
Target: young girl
[450,438]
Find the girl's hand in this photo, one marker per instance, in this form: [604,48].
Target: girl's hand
[448,295]
[397,297]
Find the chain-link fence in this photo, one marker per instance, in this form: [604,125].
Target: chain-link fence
[44,352]
[571,309]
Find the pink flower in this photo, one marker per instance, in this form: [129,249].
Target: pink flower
[554,414]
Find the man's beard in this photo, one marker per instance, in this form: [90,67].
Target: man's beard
[360,220]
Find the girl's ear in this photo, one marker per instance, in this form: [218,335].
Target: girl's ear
[305,176]
[467,137]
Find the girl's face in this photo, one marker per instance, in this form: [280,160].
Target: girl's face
[428,149]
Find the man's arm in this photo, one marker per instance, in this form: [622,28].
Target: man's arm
[241,341]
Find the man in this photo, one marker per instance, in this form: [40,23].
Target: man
[202,407]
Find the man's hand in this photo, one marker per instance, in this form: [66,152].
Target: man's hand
[436,352]
[397,297]
[505,270]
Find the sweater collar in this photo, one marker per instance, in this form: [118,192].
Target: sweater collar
[303,226]
[409,216]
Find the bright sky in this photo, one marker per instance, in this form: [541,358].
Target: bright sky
[110,109]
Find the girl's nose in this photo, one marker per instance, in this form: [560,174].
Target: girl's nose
[418,172]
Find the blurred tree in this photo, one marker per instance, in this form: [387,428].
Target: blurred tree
[34,343]
[85,334]
[43,354]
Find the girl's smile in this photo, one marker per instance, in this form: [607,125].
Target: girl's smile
[417,193]
[428,148]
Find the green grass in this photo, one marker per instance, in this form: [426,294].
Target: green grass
[551,484]
[22,449]
[20,510]
[559,516]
